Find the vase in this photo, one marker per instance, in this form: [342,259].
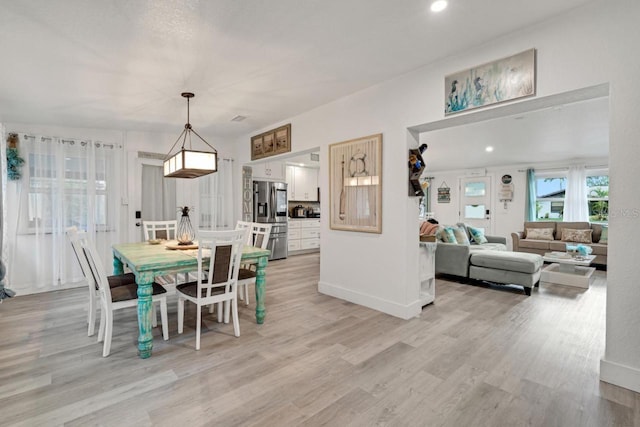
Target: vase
[185,234]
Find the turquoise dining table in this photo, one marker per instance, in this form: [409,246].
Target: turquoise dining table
[147,261]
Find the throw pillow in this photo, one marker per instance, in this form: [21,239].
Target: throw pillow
[461,236]
[578,236]
[445,234]
[604,237]
[540,233]
[477,235]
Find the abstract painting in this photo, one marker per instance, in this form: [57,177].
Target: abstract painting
[498,81]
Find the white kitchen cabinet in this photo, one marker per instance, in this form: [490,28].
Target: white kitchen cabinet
[304,235]
[303,183]
[268,171]
[290,177]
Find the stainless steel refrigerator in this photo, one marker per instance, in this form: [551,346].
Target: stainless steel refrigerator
[270,206]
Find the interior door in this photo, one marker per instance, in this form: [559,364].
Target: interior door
[475,202]
[155,196]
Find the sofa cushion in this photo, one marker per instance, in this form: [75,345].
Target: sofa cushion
[558,246]
[511,261]
[571,225]
[540,233]
[578,236]
[477,235]
[535,244]
[460,234]
[489,247]
[604,235]
[538,224]
[445,234]
[599,249]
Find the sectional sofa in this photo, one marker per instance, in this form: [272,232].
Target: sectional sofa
[540,237]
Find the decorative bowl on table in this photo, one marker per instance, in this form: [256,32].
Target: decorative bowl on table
[154,241]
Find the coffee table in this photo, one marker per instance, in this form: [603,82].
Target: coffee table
[567,270]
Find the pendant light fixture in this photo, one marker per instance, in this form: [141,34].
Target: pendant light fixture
[188,163]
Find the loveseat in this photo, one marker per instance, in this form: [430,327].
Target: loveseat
[540,237]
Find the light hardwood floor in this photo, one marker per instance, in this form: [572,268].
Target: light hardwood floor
[479,356]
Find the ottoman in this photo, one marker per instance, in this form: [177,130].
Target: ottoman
[518,268]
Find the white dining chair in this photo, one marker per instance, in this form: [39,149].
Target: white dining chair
[112,297]
[259,237]
[94,296]
[219,255]
[164,230]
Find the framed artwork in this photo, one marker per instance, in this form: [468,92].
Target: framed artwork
[498,81]
[270,143]
[355,185]
[444,193]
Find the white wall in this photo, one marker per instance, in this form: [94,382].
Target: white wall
[590,46]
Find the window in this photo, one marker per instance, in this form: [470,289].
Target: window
[598,197]
[550,191]
[550,196]
[69,185]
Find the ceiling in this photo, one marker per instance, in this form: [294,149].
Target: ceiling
[122,64]
[577,131]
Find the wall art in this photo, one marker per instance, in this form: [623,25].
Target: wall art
[498,81]
[355,185]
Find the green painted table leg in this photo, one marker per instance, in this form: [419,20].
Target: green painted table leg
[118,268]
[145,336]
[260,285]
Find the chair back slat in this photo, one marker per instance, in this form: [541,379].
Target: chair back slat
[166,230]
[224,251]
[98,272]
[260,234]
[74,237]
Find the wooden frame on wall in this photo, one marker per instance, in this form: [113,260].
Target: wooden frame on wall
[272,142]
[355,185]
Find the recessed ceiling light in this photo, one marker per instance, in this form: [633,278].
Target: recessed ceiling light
[488,149]
[438,5]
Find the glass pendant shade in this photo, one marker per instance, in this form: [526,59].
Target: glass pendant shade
[188,163]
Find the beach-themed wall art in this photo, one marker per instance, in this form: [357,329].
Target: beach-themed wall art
[270,143]
[498,81]
[355,185]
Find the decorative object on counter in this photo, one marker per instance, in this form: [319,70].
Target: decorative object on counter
[444,195]
[185,234]
[14,161]
[4,292]
[355,186]
[498,81]
[272,142]
[188,163]
[416,167]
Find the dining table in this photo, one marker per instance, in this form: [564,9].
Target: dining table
[147,261]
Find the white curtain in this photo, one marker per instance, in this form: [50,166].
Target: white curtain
[216,198]
[159,195]
[576,206]
[65,182]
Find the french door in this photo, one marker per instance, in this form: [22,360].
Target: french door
[475,202]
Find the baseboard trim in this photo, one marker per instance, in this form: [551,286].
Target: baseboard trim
[620,375]
[388,307]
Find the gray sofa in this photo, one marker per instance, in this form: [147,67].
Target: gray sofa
[452,258]
[522,244]
[490,262]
